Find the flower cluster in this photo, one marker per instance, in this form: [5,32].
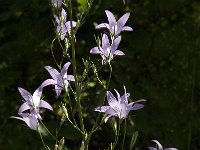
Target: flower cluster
[118,106]
[63,26]
[60,80]
[108,49]
[29,111]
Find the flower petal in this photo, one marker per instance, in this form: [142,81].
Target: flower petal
[116,43]
[57,20]
[118,96]
[95,50]
[25,94]
[31,122]
[70,78]
[111,18]
[159,145]
[124,97]
[102,108]
[56,3]
[134,106]
[53,72]
[48,82]
[122,21]
[58,90]
[152,148]
[68,24]
[103,25]
[111,111]
[118,52]
[19,118]
[63,32]
[105,42]
[46,105]
[122,110]
[38,92]
[63,15]
[23,108]
[64,69]
[112,101]
[127,28]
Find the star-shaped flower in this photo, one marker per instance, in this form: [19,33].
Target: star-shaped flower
[63,26]
[119,107]
[115,27]
[33,102]
[159,147]
[107,50]
[60,80]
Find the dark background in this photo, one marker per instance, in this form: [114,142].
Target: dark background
[161,64]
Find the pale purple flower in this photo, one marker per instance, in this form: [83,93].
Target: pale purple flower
[159,147]
[119,107]
[115,27]
[60,80]
[107,50]
[33,102]
[30,119]
[56,3]
[63,26]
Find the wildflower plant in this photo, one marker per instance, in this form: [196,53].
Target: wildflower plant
[72,84]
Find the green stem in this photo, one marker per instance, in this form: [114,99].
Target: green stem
[96,126]
[76,78]
[109,76]
[46,129]
[117,136]
[42,140]
[124,135]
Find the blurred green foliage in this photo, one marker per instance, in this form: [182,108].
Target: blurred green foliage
[161,65]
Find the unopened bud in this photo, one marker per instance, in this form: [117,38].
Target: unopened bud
[61,143]
[56,147]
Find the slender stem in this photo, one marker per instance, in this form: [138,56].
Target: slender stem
[109,75]
[76,77]
[42,140]
[124,135]
[47,129]
[117,136]
[53,54]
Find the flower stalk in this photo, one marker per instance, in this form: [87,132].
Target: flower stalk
[77,85]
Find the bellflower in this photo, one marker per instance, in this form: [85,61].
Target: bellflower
[56,3]
[60,80]
[63,26]
[33,102]
[115,27]
[119,107]
[159,147]
[107,50]
[30,120]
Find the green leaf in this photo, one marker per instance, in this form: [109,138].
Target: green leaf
[133,139]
